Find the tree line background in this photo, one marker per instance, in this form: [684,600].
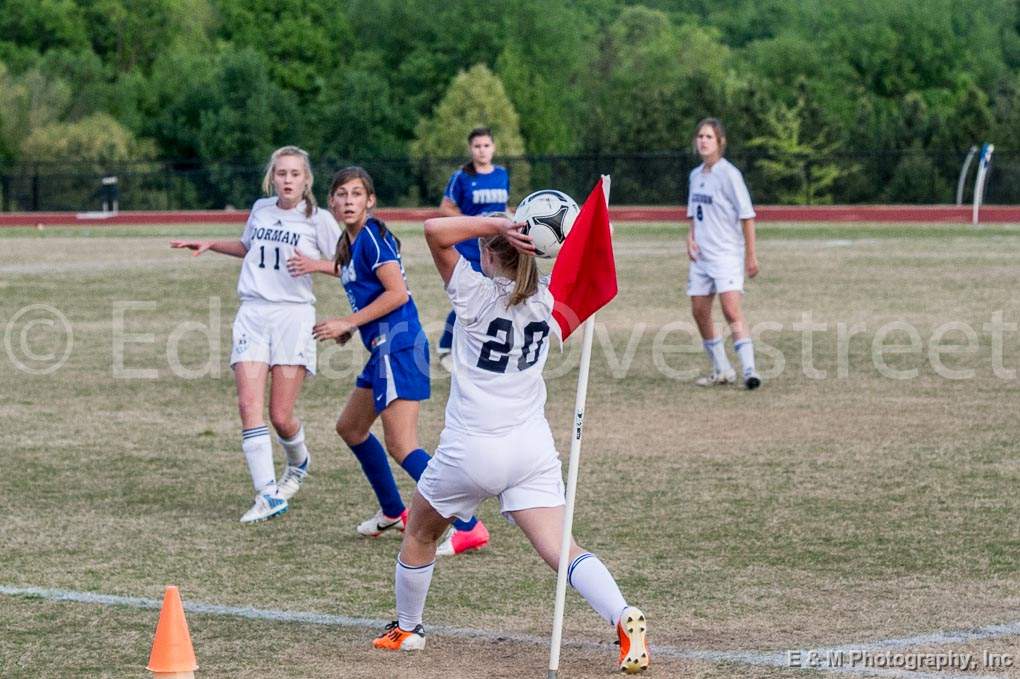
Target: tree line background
[864,101]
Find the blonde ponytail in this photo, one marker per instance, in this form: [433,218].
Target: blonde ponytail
[521,267]
[526,282]
[309,198]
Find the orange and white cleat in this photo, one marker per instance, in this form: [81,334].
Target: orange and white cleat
[460,541]
[396,639]
[631,627]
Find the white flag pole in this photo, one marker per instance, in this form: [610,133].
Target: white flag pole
[572,466]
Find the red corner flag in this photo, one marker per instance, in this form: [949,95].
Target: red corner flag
[584,276]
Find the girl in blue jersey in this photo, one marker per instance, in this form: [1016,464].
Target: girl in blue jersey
[476,188]
[396,377]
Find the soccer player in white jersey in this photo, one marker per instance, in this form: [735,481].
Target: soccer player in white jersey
[273,328]
[721,247]
[497,442]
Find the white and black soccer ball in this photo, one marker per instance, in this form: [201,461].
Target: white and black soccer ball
[549,214]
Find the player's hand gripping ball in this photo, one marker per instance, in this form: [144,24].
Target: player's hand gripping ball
[549,214]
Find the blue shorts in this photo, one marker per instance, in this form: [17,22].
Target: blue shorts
[403,373]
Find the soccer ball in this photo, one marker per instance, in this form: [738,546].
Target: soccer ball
[549,214]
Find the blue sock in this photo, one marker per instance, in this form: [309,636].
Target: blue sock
[373,461]
[446,340]
[414,464]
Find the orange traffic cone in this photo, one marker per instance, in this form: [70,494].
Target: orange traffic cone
[172,656]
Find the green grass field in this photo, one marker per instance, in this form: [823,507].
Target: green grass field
[867,492]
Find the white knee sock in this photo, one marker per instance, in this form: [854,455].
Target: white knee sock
[745,350]
[412,588]
[717,354]
[258,450]
[295,448]
[592,580]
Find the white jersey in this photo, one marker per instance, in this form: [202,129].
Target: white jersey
[717,200]
[498,353]
[272,235]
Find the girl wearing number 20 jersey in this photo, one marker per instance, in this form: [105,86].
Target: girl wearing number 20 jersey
[272,332]
[497,442]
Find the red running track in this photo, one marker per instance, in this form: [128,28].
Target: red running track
[766,213]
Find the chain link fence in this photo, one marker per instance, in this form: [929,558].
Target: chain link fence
[638,179]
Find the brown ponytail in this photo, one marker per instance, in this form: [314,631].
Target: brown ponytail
[515,264]
[309,198]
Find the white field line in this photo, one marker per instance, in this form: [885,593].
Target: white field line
[756,658]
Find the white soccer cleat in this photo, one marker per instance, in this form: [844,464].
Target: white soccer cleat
[717,378]
[380,523]
[632,628]
[268,505]
[290,483]
[751,380]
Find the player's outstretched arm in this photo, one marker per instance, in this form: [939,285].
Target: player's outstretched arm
[299,265]
[443,233]
[234,248]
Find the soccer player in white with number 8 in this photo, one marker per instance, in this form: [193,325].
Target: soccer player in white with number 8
[273,328]
[720,245]
[497,442]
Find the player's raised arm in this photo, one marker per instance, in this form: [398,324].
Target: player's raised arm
[443,233]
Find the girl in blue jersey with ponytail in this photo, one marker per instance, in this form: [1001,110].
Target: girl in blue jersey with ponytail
[396,377]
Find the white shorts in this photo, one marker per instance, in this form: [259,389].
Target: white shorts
[274,334]
[710,278]
[520,468]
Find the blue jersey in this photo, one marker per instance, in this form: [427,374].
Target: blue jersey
[475,194]
[399,328]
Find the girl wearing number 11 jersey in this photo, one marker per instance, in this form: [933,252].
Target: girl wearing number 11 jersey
[273,328]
